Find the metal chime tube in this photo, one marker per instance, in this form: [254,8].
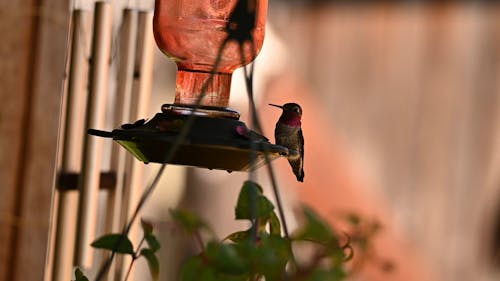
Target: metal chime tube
[143,71]
[91,164]
[71,158]
[127,50]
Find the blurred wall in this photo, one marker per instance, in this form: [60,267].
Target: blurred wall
[411,94]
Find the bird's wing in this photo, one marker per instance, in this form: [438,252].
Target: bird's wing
[301,139]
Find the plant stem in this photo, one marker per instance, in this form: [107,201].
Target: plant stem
[134,257]
[199,240]
[256,125]
[130,268]
[139,247]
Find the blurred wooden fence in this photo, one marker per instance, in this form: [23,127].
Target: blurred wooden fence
[414,90]
[33,38]
[54,87]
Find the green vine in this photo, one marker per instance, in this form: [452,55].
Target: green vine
[110,241]
[261,252]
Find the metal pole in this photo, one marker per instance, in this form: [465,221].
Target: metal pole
[91,163]
[71,156]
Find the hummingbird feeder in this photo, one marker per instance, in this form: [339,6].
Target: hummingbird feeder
[208,40]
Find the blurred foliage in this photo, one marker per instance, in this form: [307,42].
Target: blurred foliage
[362,232]
[114,242]
[261,252]
[79,276]
[121,244]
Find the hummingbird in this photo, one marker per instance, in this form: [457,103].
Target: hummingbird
[288,133]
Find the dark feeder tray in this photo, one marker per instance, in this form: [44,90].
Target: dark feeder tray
[212,142]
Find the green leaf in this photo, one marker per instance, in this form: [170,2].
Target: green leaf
[254,185]
[272,256]
[198,268]
[315,229]
[114,242]
[147,227]
[153,243]
[238,236]
[154,266]
[150,238]
[274,224]
[190,269]
[189,221]
[80,276]
[252,192]
[249,191]
[282,246]
[225,258]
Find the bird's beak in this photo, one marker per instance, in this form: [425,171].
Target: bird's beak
[276,105]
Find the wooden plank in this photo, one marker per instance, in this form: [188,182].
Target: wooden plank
[127,53]
[92,148]
[39,162]
[14,74]
[70,148]
[139,106]
[29,124]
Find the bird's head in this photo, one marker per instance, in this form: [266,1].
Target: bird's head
[291,115]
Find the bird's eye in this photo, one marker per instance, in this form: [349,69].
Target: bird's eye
[297,110]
